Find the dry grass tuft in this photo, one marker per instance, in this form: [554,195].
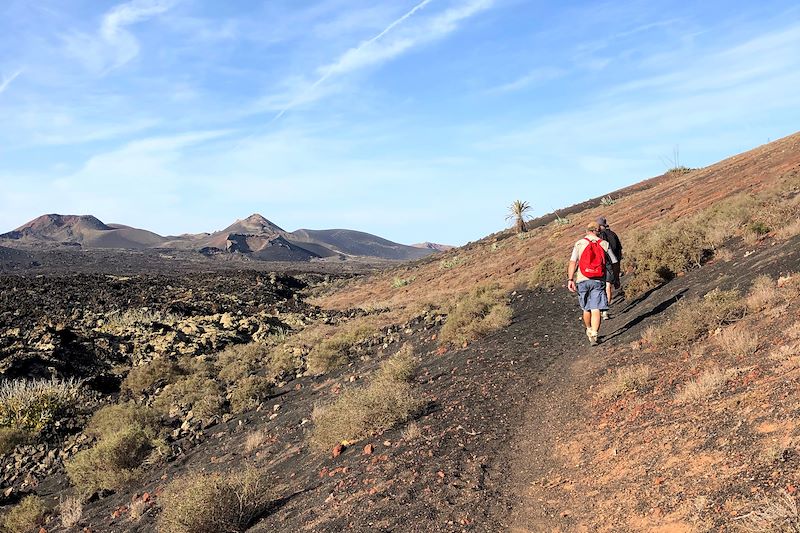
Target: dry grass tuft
[387,401]
[706,385]
[788,231]
[549,272]
[625,379]
[778,515]
[411,432]
[255,440]
[210,503]
[32,405]
[26,516]
[763,294]
[738,341]
[696,317]
[70,511]
[476,314]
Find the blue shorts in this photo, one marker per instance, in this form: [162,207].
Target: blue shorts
[592,295]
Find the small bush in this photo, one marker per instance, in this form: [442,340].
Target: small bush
[777,515]
[549,272]
[357,413]
[476,314]
[626,379]
[787,231]
[197,393]
[151,375]
[255,440]
[334,351]
[763,294]
[10,438]
[133,318]
[696,317]
[241,360]
[26,516]
[400,366]
[707,384]
[116,417]
[34,405]
[606,201]
[113,462]
[738,342]
[210,503]
[70,511]
[249,392]
[446,264]
[398,282]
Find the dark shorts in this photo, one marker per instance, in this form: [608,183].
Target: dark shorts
[609,273]
[592,295]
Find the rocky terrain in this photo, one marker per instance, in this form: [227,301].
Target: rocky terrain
[455,393]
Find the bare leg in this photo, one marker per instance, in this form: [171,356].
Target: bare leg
[609,291]
[587,319]
[595,320]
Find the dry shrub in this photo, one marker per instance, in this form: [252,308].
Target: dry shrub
[249,392]
[400,366]
[255,440]
[10,438]
[112,418]
[658,255]
[696,317]
[151,375]
[763,294]
[789,230]
[357,413]
[211,502]
[241,360]
[26,516]
[738,341]
[197,393]
[549,272]
[707,384]
[333,350]
[777,515]
[113,462]
[70,511]
[411,432]
[476,314]
[32,405]
[625,379]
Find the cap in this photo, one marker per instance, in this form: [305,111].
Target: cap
[601,221]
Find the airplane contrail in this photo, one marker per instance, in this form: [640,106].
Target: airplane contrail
[7,81]
[329,71]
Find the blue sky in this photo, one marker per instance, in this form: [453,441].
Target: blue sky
[413,120]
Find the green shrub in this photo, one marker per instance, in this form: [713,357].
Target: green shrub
[33,405]
[334,351]
[210,503]
[10,438]
[114,461]
[388,400]
[549,272]
[115,417]
[26,516]
[197,393]
[476,314]
[249,392]
[145,378]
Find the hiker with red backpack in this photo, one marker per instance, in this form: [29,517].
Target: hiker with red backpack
[587,276]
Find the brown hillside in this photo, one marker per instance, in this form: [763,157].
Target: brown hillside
[655,202]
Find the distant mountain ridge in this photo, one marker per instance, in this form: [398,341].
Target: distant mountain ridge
[254,236]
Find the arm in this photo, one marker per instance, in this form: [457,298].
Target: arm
[571,275]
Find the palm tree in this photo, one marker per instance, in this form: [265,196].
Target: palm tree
[518,211]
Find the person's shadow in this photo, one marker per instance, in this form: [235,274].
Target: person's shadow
[660,308]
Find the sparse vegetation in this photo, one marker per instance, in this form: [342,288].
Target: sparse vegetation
[211,502]
[239,361]
[738,341]
[625,379]
[606,201]
[696,317]
[446,264]
[398,282]
[70,511]
[249,392]
[33,405]
[333,351]
[763,294]
[197,393]
[255,440]
[549,272]
[777,515]
[476,314]
[144,316]
[151,375]
[518,213]
[389,399]
[26,516]
[706,385]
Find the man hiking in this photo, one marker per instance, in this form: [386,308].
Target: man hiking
[612,274]
[586,275]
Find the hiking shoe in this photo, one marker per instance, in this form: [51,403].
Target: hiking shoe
[592,334]
[605,315]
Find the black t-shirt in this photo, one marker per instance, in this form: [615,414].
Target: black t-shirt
[613,242]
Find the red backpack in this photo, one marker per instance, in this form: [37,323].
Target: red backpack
[593,260]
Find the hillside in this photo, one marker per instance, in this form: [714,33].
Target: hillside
[455,393]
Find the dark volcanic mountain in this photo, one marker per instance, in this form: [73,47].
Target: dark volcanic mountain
[255,237]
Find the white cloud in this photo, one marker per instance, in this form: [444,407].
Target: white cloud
[113,45]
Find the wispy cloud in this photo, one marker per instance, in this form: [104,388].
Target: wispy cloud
[531,79]
[378,49]
[7,81]
[113,45]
